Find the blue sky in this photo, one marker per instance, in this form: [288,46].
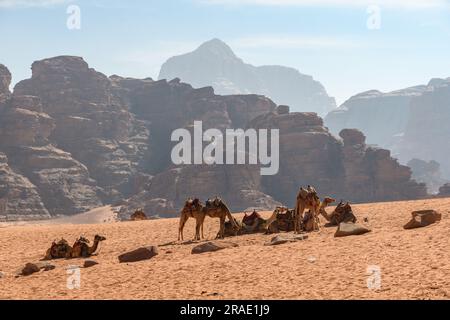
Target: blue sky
[328,39]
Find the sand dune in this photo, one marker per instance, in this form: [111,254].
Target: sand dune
[414,264]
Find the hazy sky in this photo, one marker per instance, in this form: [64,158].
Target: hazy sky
[328,39]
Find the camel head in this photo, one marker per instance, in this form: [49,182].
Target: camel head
[328,200]
[99,238]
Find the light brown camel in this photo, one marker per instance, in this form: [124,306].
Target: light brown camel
[81,248]
[216,208]
[307,199]
[342,213]
[193,208]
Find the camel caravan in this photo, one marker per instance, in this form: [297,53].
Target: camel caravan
[304,218]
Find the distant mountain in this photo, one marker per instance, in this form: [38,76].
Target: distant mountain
[412,122]
[215,64]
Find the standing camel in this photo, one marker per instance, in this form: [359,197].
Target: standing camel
[193,208]
[306,199]
[216,208]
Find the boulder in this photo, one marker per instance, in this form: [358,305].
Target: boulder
[213,246]
[144,253]
[422,219]
[285,238]
[350,229]
[89,263]
[31,268]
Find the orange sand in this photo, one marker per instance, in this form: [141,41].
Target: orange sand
[415,264]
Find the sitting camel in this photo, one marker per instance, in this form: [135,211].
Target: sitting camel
[193,208]
[216,208]
[307,199]
[80,249]
[138,215]
[282,219]
[251,223]
[342,213]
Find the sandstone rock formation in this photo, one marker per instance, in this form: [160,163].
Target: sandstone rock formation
[444,191]
[310,154]
[411,122]
[428,172]
[427,132]
[73,139]
[215,64]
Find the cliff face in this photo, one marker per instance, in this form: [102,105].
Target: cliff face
[72,139]
[346,169]
[215,64]
[381,116]
[427,132]
[411,122]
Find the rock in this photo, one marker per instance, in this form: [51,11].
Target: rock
[29,269]
[215,64]
[283,109]
[422,219]
[310,154]
[89,263]
[46,266]
[428,172]
[350,229]
[2,275]
[285,238]
[352,137]
[140,254]
[444,191]
[213,246]
[5,81]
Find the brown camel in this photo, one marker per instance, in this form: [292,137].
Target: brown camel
[59,250]
[342,213]
[307,199]
[216,208]
[282,219]
[138,215]
[193,208]
[81,248]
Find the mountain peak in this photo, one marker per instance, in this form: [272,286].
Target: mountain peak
[217,47]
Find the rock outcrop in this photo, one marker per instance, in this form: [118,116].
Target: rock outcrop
[428,172]
[427,132]
[411,122]
[73,139]
[348,169]
[215,64]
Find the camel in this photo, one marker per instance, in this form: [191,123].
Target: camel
[342,213]
[216,208]
[138,215]
[193,208]
[282,219]
[307,199]
[80,249]
[251,223]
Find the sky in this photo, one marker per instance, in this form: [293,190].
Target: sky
[350,46]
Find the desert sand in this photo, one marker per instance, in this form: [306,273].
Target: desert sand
[414,264]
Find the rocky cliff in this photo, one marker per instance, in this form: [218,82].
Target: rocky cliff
[215,64]
[72,139]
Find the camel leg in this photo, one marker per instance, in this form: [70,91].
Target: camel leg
[222,228]
[183,220]
[298,217]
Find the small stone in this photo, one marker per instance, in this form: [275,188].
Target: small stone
[213,246]
[29,269]
[89,263]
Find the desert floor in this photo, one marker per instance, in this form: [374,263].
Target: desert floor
[414,264]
